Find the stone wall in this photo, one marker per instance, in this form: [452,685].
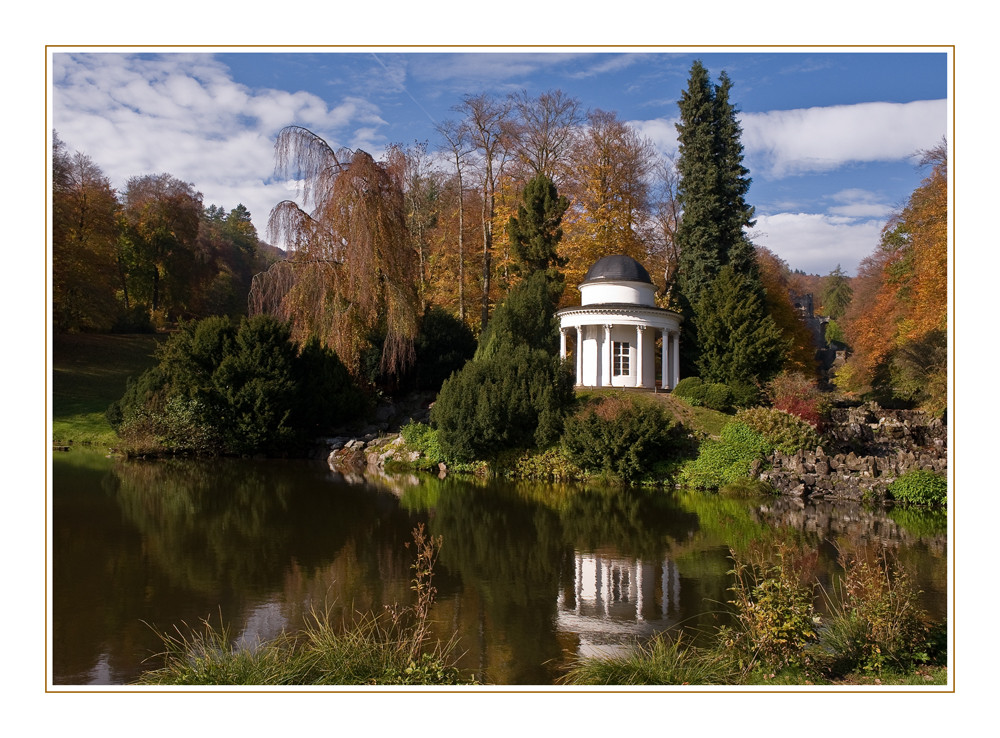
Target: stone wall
[864,450]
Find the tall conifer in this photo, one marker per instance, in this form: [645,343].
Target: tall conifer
[712,191]
[698,233]
[739,340]
[734,183]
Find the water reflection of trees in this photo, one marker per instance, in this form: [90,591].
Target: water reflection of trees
[637,523]
[916,537]
[175,541]
[167,542]
[236,525]
[511,551]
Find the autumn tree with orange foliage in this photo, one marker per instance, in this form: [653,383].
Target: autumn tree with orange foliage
[774,275]
[86,265]
[351,276]
[897,323]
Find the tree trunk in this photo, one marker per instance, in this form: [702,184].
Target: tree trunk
[461,250]
[487,258]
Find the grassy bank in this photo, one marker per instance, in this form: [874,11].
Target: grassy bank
[89,372]
[701,420]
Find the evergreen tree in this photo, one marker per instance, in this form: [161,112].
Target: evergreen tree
[739,340]
[515,391]
[526,317]
[837,293]
[734,182]
[711,234]
[535,232]
[698,234]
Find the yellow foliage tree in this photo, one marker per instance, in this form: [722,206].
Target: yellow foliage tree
[609,198]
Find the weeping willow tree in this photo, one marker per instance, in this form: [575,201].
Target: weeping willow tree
[350,276]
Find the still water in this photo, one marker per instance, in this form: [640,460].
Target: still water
[530,576]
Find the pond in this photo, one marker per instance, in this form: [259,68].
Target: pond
[530,576]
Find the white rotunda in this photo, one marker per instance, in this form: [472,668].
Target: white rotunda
[614,330]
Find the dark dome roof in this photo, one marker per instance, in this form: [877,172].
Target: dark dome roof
[618,268]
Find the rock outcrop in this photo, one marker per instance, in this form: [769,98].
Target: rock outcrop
[865,449]
[367,449]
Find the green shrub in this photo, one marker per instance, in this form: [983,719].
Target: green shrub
[717,396]
[220,388]
[551,464]
[785,432]
[621,436]
[920,487]
[723,462]
[744,394]
[326,395]
[514,399]
[424,439]
[253,388]
[443,346]
[691,389]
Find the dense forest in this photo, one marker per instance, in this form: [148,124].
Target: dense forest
[146,256]
[373,247]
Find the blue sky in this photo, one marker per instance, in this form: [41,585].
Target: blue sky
[829,136]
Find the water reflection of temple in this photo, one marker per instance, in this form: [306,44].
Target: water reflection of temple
[613,600]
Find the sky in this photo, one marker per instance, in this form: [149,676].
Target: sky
[830,136]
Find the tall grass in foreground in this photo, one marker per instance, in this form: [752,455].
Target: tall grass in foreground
[387,648]
[663,660]
[874,633]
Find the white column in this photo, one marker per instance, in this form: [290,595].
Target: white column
[664,361]
[579,355]
[562,344]
[609,362]
[676,351]
[639,330]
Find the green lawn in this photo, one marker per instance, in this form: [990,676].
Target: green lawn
[701,419]
[89,372]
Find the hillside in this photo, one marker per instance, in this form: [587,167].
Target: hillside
[89,372]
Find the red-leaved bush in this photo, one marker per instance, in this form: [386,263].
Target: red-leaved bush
[798,395]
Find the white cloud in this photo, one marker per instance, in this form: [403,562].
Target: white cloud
[184,114]
[661,131]
[787,142]
[481,68]
[859,203]
[817,243]
[605,63]
[782,143]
